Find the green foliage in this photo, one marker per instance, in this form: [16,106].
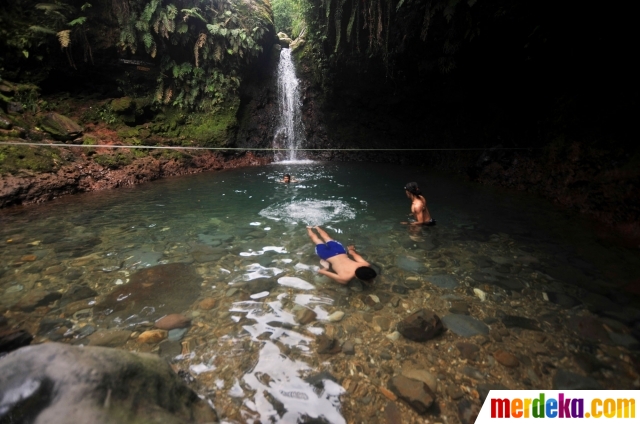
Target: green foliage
[289,16]
[107,115]
[223,35]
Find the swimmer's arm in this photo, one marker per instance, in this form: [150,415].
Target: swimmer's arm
[356,256]
[333,276]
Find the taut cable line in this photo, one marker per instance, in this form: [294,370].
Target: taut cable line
[256,149]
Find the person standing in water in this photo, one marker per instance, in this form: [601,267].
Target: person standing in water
[287,179]
[419,208]
[344,268]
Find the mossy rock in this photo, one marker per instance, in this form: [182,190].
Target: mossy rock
[60,127]
[285,42]
[210,130]
[122,105]
[113,160]
[282,35]
[36,159]
[127,132]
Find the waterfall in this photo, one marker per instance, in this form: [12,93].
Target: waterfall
[290,132]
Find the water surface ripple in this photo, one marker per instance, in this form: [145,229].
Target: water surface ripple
[229,250]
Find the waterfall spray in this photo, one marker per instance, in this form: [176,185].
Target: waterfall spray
[290,132]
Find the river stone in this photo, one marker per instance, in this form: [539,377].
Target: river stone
[68,384]
[416,393]
[75,293]
[327,344]
[392,414]
[567,380]
[506,359]
[511,321]
[60,127]
[485,388]
[443,281]
[207,303]
[11,339]
[348,348]
[411,264]
[420,326]
[109,338]
[152,336]
[464,325]
[170,349]
[177,334]
[141,258]
[468,351]
[305,316]
[421,375]
[36,298]
[172,321]
[467,412]
[159,290]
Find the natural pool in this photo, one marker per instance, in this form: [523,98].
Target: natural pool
[531,298]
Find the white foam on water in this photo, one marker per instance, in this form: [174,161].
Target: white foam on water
[304,267]
[258,271]
[286,386]
[255,223]
[296,283]
[259,295]
[276,249]
[200,368]
[310,212]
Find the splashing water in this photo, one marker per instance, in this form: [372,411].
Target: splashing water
[310,212]
[290,132]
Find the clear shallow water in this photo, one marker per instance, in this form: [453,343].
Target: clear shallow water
[242,234]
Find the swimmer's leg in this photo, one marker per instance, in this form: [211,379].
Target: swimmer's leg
[326,237]
[314,238]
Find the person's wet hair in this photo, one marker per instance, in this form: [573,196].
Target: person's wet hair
[365,273]
[413,189]
[287,176]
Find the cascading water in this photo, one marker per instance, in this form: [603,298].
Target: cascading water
[290,132]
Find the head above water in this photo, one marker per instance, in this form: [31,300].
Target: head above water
[413,189]
[287,177]
[365,273]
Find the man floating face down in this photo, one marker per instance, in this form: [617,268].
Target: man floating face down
[344,268]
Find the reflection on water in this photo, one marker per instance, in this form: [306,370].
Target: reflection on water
[230,251]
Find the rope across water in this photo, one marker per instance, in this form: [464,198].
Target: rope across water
[254,149]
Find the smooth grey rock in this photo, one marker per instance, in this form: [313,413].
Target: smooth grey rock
[176,334]
[348,348]
[61,384]
[443,281]
[511,321]
[411,264]
[567,380]
[464,325]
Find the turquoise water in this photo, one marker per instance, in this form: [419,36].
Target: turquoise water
[242,234]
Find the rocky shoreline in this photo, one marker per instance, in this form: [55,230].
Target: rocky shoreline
[86,176]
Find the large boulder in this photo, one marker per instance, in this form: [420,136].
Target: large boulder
[421,326]
[60,127]
[284,42]
[57,383]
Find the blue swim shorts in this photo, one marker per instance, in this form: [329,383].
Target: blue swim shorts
[329,250]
